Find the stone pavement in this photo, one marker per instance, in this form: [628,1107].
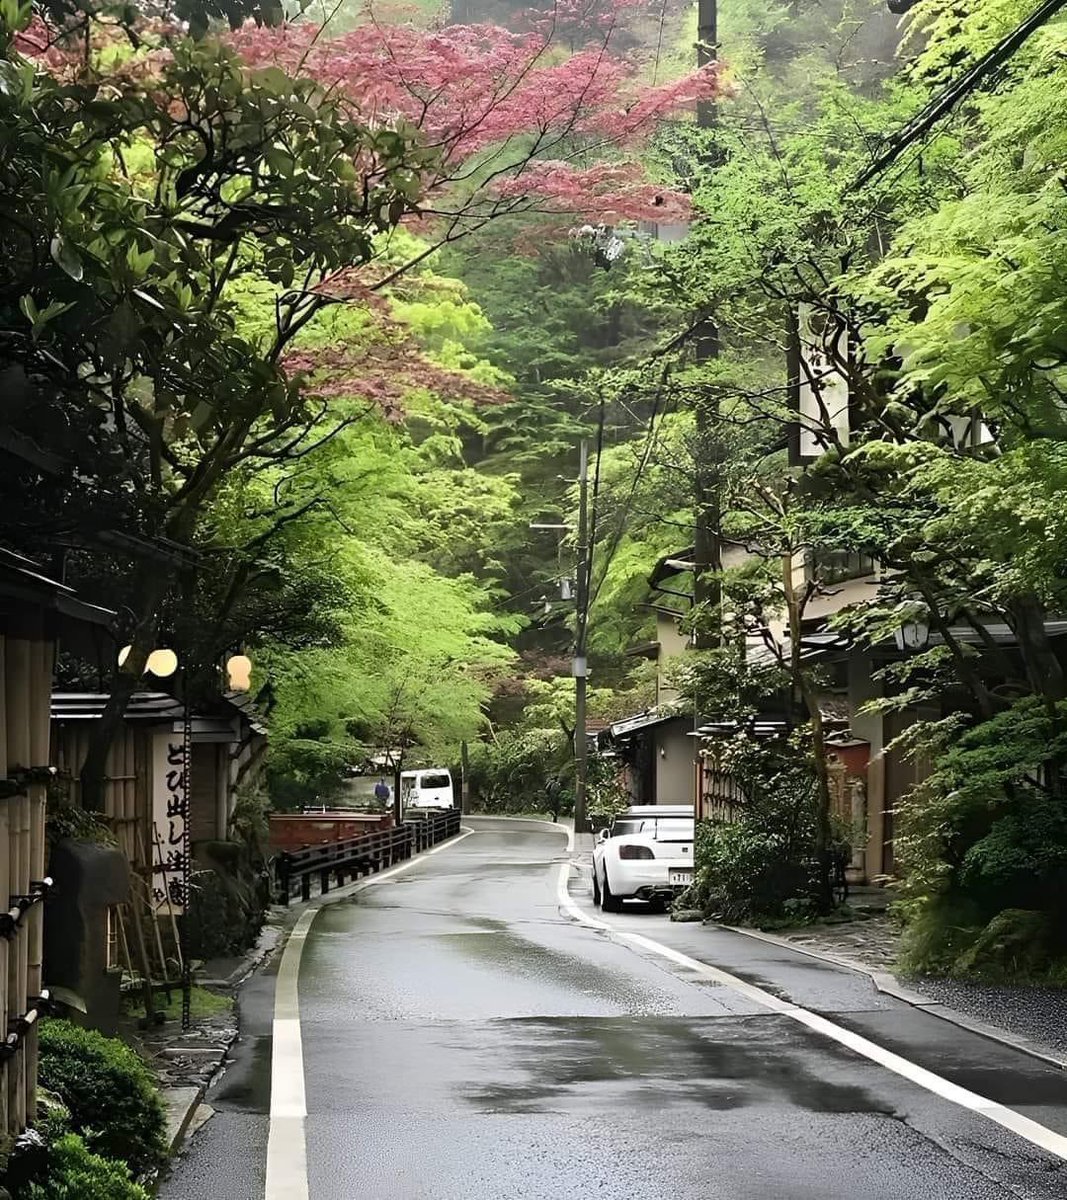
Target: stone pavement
[869,941]
[187,1061]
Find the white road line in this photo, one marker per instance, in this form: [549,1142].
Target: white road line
[287,1175]
[1038,1135]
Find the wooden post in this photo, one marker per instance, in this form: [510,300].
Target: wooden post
[5,886]
[38,801]
[19,689]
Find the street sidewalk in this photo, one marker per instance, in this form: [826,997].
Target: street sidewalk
[188,1061]
[1031,1019]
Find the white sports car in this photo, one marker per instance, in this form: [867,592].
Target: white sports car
[646,854]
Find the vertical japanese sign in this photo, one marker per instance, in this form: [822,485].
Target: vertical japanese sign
[822,391]
[170,814]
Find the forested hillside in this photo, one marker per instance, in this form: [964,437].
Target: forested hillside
[303,325]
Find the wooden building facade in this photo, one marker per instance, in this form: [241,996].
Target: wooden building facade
[35,613]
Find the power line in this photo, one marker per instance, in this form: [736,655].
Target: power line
[946,101]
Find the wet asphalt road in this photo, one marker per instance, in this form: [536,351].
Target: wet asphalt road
[463,1039]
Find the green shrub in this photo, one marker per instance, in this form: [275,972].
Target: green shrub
[936,931]
[762,864]
[74,1172]
[1016,944]
[109,1091]
[512,774]
[980,842]
[748,870]
[229,895]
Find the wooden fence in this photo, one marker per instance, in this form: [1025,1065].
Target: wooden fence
[26,659]
[721,796]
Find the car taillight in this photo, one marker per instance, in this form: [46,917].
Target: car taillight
[635,852]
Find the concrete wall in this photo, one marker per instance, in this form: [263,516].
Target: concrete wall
[674,762]
[672,644]
[869,727]
[840,595]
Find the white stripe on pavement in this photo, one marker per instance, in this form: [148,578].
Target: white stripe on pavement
[287,1175]
[1038,1135]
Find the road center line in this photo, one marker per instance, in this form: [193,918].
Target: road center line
[1038,1135]
[287,1174]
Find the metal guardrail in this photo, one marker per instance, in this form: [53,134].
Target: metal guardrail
[347,860]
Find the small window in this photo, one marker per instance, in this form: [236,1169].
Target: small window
[838,566]
[435,781]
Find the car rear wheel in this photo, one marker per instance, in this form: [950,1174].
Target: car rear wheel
[609,902]
[596,888]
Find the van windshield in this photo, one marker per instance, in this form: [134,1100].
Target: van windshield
[435,781]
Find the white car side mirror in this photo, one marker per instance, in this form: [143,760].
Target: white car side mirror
[603,835]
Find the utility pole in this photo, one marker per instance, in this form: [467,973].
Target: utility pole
[707,451]
[707,52]
[579,668]
[707,514]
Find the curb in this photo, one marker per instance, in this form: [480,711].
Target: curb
[255,958]
[197,1094]
[177,1129]
[888,983]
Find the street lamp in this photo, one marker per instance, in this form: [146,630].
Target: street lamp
[239,672]
[162,663]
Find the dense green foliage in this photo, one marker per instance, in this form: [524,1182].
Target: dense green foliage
[338,465]
[75,1172]
[944,276]
[761,864]
[52,1163]
[109,1093]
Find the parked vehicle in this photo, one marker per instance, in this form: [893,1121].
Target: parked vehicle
[646,854]
[427,789]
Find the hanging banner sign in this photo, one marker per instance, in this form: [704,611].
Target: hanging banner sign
[823,394]
[170,812]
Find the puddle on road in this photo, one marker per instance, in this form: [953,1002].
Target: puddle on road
[245,1085]
[719,1065]
[518,957]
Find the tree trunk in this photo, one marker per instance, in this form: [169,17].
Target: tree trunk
[153,582]
[802,683]
[1043,668]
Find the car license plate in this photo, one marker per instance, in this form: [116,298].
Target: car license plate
[679,878]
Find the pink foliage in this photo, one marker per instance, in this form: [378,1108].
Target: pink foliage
[610,193]
[507,98]
[384,369]
[45,46]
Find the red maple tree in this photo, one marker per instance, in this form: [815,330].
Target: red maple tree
[518,121]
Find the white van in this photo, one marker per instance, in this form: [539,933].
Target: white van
[430,788]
